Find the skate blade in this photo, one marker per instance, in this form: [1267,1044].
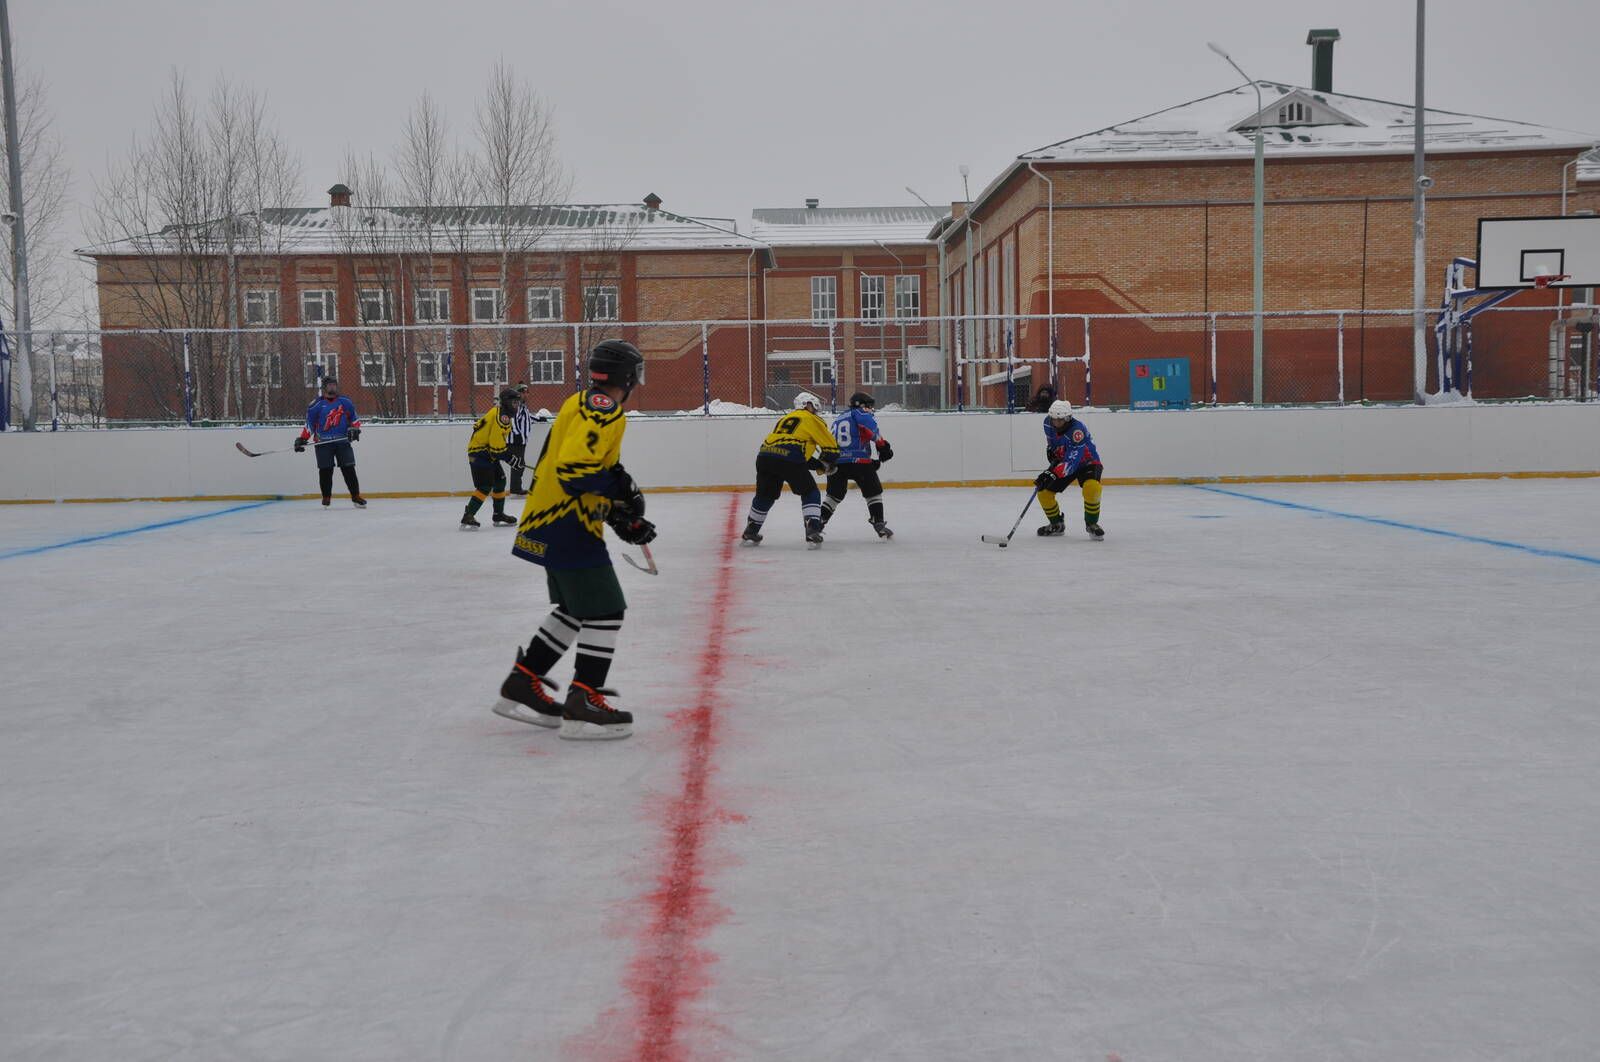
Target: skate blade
[813,545]
[749,542]
[521,713]
[578,730]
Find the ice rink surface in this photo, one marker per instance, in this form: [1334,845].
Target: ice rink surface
[1244,781]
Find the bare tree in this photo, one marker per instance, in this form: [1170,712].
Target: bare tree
[378,242]
[170,222]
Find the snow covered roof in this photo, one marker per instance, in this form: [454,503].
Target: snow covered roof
[551,229]
[833,226]
[1222,125]
[1589,165]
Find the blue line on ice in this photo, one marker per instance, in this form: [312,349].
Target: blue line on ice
[131,530]
[1402,525]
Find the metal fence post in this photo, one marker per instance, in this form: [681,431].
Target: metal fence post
[1088,378]
[55,405]
[833,373]
[1341,358]
[5,380]
[188,384]
[705,367]
[577,358]
[961,373]
[1055,360]
[1011,371]
[1211,320]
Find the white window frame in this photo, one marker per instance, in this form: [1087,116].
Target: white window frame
[907,295]
[430,368]
[824,298]
[255,363]
[325,302]
[597,297]
[329,360]
[550,298]
[874,371]
[874,293]
[435,300]
[385,300]
[540,363]
[821,373]
[496,300]
[377,368]
[482,358]
[261,307]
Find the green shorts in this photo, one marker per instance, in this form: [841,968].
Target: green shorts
[586,593]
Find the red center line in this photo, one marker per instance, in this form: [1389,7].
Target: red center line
[672,969]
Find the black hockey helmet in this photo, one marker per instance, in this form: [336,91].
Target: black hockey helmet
[330,383]
[618,363]
[861,398]
[509,400]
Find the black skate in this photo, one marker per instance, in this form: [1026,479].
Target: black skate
[525,697]
[469,522]
[327,500]
[588,716]
[813,533]
[752,533]
[882,529]
[502,520]
[1052,529]
[358,501]
[1095,531]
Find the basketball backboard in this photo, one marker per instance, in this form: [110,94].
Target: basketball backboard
[1534,252]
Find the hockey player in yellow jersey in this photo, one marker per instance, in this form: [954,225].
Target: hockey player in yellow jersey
[489,445]
[580,488]
[785,457]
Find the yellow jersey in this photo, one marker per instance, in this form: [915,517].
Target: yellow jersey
[563,520]
[490,435]
[796,433]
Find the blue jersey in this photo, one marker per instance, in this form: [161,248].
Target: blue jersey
[1070,449]
[855,430]
[330,418]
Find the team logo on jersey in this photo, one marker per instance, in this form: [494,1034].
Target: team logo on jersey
[602,402]
[1077,435]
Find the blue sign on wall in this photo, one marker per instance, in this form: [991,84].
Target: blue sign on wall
[1159,383]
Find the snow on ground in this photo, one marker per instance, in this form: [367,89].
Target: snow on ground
[1244,781]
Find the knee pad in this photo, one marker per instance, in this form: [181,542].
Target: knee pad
[1091,491]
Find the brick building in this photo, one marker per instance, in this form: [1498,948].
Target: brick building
[1154,215]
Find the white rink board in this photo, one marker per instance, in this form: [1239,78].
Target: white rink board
[1241,782]
[690,452]
[1512,251]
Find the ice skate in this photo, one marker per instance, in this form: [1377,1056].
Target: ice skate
[882,529]
[525,697]
[752,533]
[1096,532]
[469,522]
[813,533]
[327,500]
[588,716]
[1052,529]
[358,501]
[502,520]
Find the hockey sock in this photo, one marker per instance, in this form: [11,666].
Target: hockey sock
[811,505]
[1091,502]
[499,502]
[759,509]
[350,480]
[325,478]
[474,503]
[597,643]
[1047,503]
[550,644]
[875,508]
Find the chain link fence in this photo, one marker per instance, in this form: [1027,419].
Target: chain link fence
[137,377]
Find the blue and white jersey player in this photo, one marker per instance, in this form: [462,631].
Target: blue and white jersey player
[856,432]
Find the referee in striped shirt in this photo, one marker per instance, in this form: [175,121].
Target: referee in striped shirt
[521,432]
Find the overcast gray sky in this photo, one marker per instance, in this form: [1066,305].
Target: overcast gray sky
[720,106]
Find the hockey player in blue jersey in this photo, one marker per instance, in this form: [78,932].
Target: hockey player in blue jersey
[1071,457]
[856,431]
[331,422]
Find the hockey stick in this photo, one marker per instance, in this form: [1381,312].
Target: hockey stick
[996,540]
[286,449]
[649,559]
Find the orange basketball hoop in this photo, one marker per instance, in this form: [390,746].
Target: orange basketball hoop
[1548,279]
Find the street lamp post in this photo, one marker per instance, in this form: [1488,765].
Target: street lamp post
[1259,219]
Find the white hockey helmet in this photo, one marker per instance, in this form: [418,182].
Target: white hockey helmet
[806,398]
[1061,409]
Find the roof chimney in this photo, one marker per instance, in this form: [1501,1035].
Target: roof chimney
[339,195]
[1321,41]
[652,202]
[812,204]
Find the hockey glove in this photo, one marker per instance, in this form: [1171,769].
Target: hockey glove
[1048,480]
[299,446]
[885,452]
[636,531]
[625,495]
[355,434]
[515,459]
